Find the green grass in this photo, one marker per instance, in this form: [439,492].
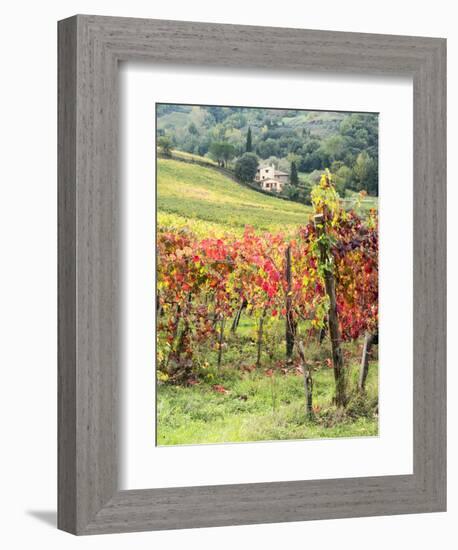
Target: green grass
[262,408]
[259,407]
[192,157]
[189,194]
[362,205]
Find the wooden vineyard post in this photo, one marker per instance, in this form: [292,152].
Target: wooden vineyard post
[333,320]
[260,334]
[308,382]
[220,340]
[185,328]
[236,321]
[290,327]
[369,340]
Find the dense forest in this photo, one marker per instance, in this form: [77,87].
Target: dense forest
[296,141]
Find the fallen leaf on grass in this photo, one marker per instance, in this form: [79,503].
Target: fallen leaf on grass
[249,368]
[220,389]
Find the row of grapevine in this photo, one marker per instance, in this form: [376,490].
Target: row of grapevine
[205,283]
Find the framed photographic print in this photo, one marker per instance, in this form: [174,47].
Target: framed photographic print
[251,275]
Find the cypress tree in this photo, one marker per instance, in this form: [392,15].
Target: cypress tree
[294,178]
[249,145]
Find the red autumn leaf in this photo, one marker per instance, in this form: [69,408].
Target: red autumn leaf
[220,389]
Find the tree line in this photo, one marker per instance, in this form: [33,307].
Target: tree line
[347,143]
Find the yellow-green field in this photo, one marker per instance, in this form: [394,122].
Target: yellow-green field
[206,200]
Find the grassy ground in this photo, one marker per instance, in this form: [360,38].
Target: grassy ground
[192,157]
[256,404]
[205,200]
[259,407]
[361,206]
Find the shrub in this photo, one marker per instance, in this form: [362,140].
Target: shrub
[246,166]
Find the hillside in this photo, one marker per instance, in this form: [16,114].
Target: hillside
[209,202]
[345,143]
[319,123]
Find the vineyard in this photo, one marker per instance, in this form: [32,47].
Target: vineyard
[264,329]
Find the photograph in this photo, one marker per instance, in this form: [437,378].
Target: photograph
[267,274]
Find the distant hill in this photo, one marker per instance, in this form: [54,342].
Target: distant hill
[344,142]
[174,120]
[319,123]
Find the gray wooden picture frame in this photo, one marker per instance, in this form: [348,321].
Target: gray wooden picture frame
[90,49]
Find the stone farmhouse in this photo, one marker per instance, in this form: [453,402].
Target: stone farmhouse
[271,179]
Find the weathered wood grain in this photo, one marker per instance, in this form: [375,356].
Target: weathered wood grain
[90,48]
[67,421]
